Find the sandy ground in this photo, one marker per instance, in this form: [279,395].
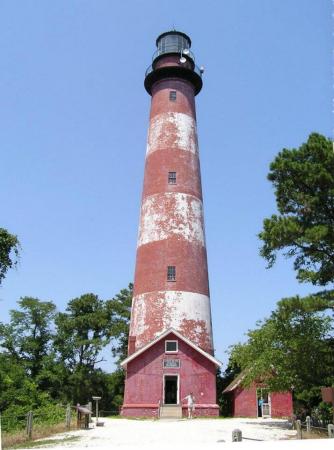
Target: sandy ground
[126,434]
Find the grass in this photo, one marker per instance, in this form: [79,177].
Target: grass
[45,442]
[314,434]
[110,417]
[128,418]
[19,438]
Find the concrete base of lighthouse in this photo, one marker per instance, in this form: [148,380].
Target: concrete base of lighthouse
[157,377]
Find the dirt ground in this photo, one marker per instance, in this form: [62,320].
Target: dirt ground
[176,434]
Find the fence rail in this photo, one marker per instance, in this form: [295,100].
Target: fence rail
[308,426]
[13,423]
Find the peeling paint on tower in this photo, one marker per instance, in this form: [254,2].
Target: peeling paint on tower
[167,214]
[156,312]
[172,130]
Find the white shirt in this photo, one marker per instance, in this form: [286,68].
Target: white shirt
[190,400]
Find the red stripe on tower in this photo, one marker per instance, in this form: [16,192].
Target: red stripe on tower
[171,288]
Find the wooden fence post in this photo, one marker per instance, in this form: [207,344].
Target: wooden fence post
[68,417]
[331,431]
[308,424]
[293,422]
[29,424]
[0,432]
[90,407]
[236,435]
[299,429]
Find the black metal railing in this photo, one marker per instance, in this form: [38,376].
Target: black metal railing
[151,69]
[173,49]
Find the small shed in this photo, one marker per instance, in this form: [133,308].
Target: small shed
[83,416]
[258,400]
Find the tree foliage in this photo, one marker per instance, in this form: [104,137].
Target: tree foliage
[222,381]
[48,356]
[119,309]
[303,179]
[28,335]
[293,348]
[9,252]
[82,332]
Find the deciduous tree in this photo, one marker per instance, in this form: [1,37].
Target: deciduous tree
[27,337]
[9,252]
[82,332]
[294,348]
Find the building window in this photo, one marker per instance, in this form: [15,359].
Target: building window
[171,346]
[171,273]
[171,177]
[172,96]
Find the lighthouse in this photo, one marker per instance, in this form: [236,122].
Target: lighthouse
[170,350]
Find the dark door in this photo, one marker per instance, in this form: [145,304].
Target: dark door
[171,389]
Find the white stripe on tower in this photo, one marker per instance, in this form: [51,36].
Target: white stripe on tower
[172,130]
[171,213]
[172,309]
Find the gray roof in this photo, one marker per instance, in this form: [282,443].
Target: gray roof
[235,383]
[83,410]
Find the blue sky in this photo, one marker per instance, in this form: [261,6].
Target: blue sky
[73,124]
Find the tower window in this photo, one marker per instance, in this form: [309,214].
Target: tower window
[171,177]
[171,346]
[172,96]
[171,273]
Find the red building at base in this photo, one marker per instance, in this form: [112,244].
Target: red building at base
[258,401]
[170,352]
[156,377]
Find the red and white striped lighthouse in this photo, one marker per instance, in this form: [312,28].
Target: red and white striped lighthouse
[170,339]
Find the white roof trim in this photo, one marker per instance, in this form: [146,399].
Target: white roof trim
[164,334]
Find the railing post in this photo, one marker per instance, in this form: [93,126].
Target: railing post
[236,435]
[29,424]
[299,429]
[68,417]
[331,431]
[308,424]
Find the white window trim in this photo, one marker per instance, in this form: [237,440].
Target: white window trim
[172,351]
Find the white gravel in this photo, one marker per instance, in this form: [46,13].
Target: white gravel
[195,434]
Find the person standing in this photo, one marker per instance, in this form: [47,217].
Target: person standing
[191,404]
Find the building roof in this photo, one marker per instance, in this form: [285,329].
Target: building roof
[239,379]
[83,409]
[163,335]
[235,383]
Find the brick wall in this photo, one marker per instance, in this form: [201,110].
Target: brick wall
[281,404]
[244,402]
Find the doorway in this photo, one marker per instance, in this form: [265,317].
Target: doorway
[171,389]
[263,403]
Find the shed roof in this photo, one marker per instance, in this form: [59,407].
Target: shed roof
[83,409]
[163,335]
[235,383]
